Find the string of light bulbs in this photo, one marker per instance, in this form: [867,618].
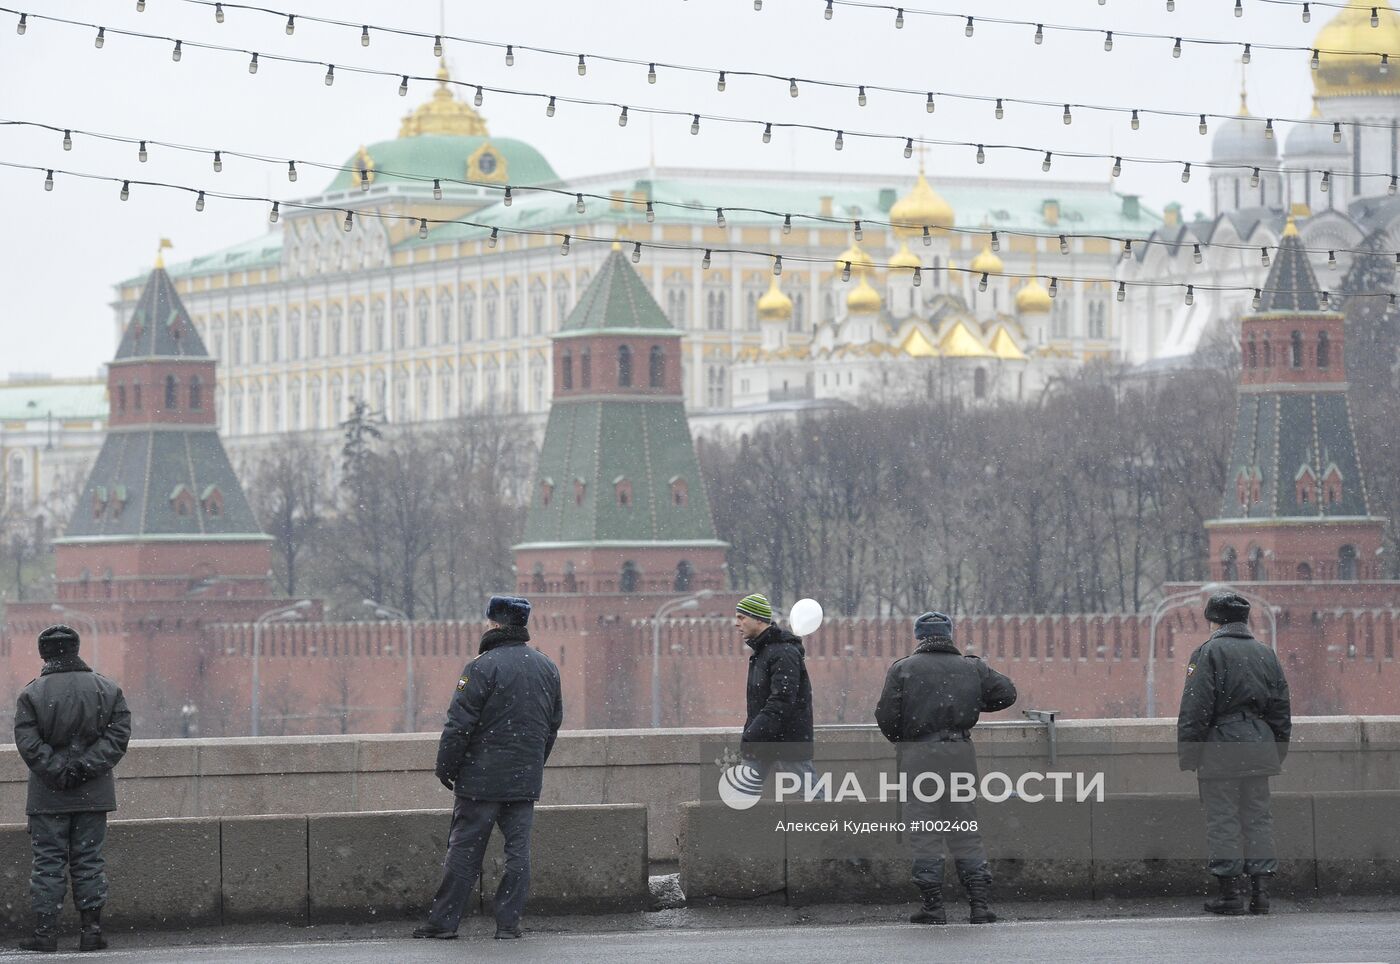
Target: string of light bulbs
[655,69]
[1047,156]
[566,240]
[650,205]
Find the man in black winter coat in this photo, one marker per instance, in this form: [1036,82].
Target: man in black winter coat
[931,701]
[778,728]
[71,729]
[1233,730]
[500,729]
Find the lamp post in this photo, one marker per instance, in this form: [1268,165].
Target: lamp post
[292,611]
[410,708]
[1171,602]
[685,602]
[91,621]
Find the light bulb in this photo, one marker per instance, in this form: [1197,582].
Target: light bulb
[1190,294]
[1039,34]
[142,154]
[364,179]
[422,227]
[23,24]
[899,19]
[1045,164]
[495,234]
[928,238]
[996,242]
[1064,245]
[651,73]
[1385,63]
[846,271]
[437,46]
[967,31]
[720,84]
[705,261]
[859,234]
[1196,253]
[1185,173]
[719,217]
[510,55]
[176,53]
[437,189]
[787,224]
[1171,6]
[218,162]
[1326,181]
[767,133]
[1176,48]
[758,4]
[651,213]
[582,65]
[1244,57]
[1127,250]
[908,147]
[101,38]
[1108,40]
[1067,117]
[827,14]
[982,282]
[218,13]
[1117,166]
[330,74]
[918,277]
[1336,133]
[126,190]
[792,86]
[1307,14]
[1000,111]
[477,98]
[840,141]
[1258,299]
[273,214]
[1135,122]
[1239,8]
[291,24]
[1201,127]
[253,65]
[508,198]
[350,221]
[928,104]
[777,264]
[1325,305]
[549,108]
[67,140]
[981,155]
[1316,61]
[564,248]
[695,123]
[1269,129]
[1122,291]
[291,170]
[199,202]
[403,86]
[1375,17]
[1332,260]
[48,181]
[1054,289]
[364,36]
[861,98]
[1264,256]
[579,207]
[1254,178]
[636,253]
[1390,188]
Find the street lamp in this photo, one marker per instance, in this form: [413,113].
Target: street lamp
[91,622]
[410,709]
[685,602]
[279,614]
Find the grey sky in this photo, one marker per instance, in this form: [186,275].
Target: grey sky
[61,252]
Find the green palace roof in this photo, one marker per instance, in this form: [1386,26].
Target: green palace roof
[417,160]
[72,400]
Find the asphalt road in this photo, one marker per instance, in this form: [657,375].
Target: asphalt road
[1280,939]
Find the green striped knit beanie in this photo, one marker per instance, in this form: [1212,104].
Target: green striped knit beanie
[756,606]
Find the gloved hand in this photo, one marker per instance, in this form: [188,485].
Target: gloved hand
[72,775]
[447,781]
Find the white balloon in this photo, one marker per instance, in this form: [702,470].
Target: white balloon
[806,617]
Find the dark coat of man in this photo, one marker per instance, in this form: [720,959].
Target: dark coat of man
[1235,717]
[779,694]
[72,727]
[503,720]
[936,691]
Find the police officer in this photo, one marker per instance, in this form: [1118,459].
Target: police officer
[71,729]
[499,731]
[1233,731]
[931,701]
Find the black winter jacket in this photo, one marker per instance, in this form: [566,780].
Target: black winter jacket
[71,728]
[938,693]
[503,720]
[779,696]
[1235,717]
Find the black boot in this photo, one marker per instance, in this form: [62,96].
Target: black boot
[932,911]
[432,932]
[979,892]
[1229,902]
[90,938]
[45,937]
[1258,894]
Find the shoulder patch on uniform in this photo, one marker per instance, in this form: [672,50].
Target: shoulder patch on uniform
[1190,668]
[462,684]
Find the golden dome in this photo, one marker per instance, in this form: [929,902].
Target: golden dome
[855,254]
[774,305]
[1359,73]
[863,299]
[1032,298]
[904,258]
[444,114]
[988,261]
[921,207]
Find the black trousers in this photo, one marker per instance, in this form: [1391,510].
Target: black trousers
[1239,826]
[71,844]
[466,846]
